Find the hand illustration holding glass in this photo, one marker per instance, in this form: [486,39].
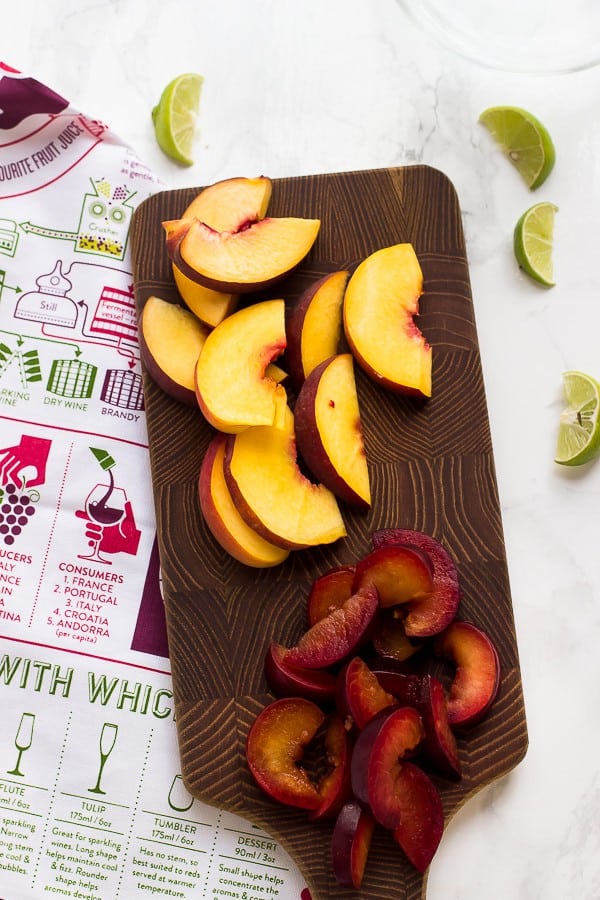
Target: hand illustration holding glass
[23,739]
[108,737]
[104,505]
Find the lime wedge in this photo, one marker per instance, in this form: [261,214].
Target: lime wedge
[532,242]
[524,140]
[579,427]
[175,115]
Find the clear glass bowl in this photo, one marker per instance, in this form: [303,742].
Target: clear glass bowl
[528,36]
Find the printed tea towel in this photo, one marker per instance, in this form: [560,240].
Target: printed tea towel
[92,804]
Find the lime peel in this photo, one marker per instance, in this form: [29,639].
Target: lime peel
[579,426]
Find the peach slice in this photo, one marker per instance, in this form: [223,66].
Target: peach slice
[338,635]
[314,325]
[275,748]
[329,433]
[399,573]
[232,388]
[359,693]
[329,592]
[429,616]
[253,258]
[271,493]
[222,517]
[477,676]
[350,844]
[232,203]
[226,206]
[171,339]
[381,300]
[293,681]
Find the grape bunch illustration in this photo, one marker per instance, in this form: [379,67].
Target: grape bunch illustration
[17,507]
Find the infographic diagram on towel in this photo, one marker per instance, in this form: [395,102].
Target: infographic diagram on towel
[92,802]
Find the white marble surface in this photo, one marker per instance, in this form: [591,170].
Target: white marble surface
[325,85]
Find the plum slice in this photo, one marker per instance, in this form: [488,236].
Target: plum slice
[350,844]
[333,760]
[285,680]
[329,592]
[421,817]
[433,613]
[399,573]
[275,747]
[477,675]
[360,696]
[300,756]
[336,636]
[426,694]
[377,761]
[390,639]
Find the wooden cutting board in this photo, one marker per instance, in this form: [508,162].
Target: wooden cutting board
[432,469]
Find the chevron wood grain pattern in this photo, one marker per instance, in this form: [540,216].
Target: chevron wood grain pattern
[432,468]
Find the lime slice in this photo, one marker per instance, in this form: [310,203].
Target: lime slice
[175,116]
[523,139]
[579,428]
[533,242]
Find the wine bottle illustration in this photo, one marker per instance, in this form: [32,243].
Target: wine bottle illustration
[105,505]
[23,739]
[108,738]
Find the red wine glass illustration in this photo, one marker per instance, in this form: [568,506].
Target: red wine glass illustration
[105,504]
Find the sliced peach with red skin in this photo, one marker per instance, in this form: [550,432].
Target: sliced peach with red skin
[231,203]
[171,340]
[328,592]
[338,635]
[329,431]
[350,844]
[360,696]
[399,573]
[431,615]
[425,693]
[380,303]
[275,747]
[377,760]
[222,517]
[227,205]
[250,259]
[271,493]
[232,387]
[314,325]
[477,672]
[421,816]
[285,680]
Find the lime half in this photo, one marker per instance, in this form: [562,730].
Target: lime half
[175,115]
[532,242]
[579,428]
[524,140]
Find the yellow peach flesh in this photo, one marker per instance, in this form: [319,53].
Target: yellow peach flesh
[380,301]
[322,326]
[174,338]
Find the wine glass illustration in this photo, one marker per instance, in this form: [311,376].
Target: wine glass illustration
[105,504]
[179,797]
[108,737]
[23,739]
